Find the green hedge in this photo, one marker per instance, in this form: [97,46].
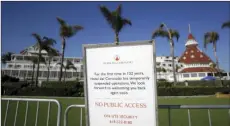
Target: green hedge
[67,84]
[189,91]
[76,89]
[79,92]
[217,83]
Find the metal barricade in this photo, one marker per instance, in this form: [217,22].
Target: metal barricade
[188,107]
[67,110]
[168,107]
[27,100]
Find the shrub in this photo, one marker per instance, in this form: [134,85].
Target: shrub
[188,91]
[205,83]
[5,78]
[55,84]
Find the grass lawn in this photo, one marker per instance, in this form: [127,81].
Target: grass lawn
[179,117]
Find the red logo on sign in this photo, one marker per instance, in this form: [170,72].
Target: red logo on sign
[117,58]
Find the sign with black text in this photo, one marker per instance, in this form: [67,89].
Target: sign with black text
[120,85]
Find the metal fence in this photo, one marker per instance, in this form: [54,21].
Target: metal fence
[188,107]
[81,107]
[28,100]
[67,110]
[168,107]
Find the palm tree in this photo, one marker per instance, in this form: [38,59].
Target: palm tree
[212,38]
[34,60]
[66,31]
[6,57]
[177,70]
[51,52]
[213,67]
[42,44]
[115,20]
[67,66]
[169,34]
[226,24]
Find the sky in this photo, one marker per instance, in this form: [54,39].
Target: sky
[20,19]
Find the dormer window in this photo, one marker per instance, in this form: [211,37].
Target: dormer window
[192,51]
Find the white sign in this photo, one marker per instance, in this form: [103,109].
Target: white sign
[120,86]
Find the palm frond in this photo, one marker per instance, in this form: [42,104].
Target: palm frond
[160,33]
[61,21]
[52,52]
[126,21]
[106,13]
[75,29]
[61,64]
[119,9]
[49,41]
[37,37]
[6,57]
[226,24]
[211,37]
[69,65]
[174,34]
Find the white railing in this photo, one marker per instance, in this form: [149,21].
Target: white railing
[27,100]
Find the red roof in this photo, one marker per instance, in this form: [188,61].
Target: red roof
[193,55]
[198,69]
[190,36]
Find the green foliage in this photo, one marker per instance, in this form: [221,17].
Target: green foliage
[67,84]
[189,91]
[226,24]
[7,78]
[6,57]
[216,83]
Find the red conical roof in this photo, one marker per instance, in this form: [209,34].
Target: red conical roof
[193,55]
[190,36]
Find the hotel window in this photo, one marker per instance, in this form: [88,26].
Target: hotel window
[29,74]
[14,73]
[169,65]
[185,75]
[82,74]
[68,74]
[45,73]
[55,59]
[75,74]
[201,74]
[19,58]
[18,66]
[194,75]
[158,64]
[22,73]
[10,66]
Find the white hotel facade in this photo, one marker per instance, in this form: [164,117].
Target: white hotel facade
[193,64]
[19,66]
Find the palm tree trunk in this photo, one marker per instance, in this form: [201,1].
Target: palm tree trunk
[65,75]
[48,74]
[39,57]
[217,65]
[62,57]
[116,38]
[173,63]
[33,72]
